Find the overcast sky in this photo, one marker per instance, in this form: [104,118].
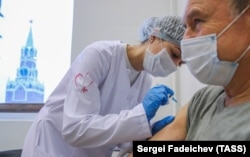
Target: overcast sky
[52,33]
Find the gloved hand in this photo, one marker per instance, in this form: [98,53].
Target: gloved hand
[157,126]
[154,98]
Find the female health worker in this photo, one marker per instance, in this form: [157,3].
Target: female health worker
[104,100]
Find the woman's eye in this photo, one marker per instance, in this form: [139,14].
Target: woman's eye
[175,55]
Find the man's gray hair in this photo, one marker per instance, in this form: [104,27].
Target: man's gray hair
[239,5]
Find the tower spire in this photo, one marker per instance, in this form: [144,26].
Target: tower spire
[29,42]
[26,88]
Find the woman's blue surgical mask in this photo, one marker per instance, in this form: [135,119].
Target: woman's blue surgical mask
[160,64]
[200,55]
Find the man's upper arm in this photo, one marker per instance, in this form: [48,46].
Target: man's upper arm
[175,130]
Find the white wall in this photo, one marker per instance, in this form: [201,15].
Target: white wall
[12,133]
[110,20]
[13,129]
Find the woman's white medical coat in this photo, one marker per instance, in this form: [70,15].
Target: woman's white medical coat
[93,109]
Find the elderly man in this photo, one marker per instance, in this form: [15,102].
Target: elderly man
[215,47]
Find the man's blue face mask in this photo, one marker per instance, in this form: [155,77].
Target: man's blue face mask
[200,55]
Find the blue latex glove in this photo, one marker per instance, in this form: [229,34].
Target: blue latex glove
[157,126]
[154,98]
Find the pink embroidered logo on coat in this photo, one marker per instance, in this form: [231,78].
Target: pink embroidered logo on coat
[83,82]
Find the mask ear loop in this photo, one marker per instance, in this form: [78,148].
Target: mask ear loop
[225,29]
[161,44]
[149,44]
[243,54]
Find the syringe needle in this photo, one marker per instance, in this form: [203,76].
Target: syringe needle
[173,99]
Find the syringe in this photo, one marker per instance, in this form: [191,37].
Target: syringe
[173,98]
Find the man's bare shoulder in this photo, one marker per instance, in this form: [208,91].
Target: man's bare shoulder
[177,130]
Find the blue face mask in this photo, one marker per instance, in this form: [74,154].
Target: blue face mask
[200,55]
[160,64]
